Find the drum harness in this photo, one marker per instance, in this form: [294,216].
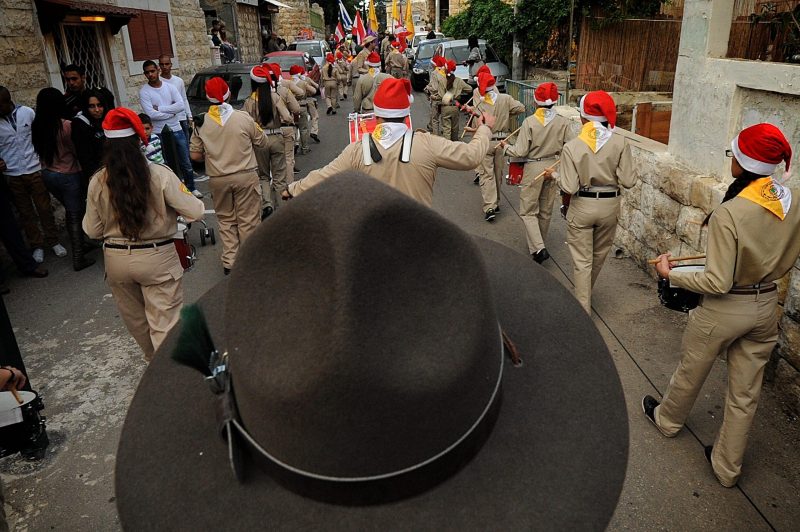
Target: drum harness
[370,152]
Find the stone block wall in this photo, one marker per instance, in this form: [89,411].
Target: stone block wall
[22,61]
[287,22]
[249,34]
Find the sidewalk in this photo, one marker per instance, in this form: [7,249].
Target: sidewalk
[669,485]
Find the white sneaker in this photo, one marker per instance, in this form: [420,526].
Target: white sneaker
[59,250]
[38,255]
[197,194]
[200,178]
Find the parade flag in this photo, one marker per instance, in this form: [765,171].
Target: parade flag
[395,14]
[358,29]
[372,21]
[339,32]
[344,17]
[409,18]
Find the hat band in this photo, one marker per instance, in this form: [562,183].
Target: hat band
[119,133]
[382,488]
[543,102]
[750,164]
[390,113]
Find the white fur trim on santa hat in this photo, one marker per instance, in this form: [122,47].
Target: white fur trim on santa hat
[750,164]
[214,100]
[119,133]
[592,118]
[545,102]
[392,113]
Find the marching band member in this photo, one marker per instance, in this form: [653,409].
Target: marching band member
[396,61]
[752,242]
[296,71]
[357,67]
[398,156]
[368,84]
[448,92]
[312,89]
[593,166]
[342,68]
[225,140]
[437,76]
[490,171]
[289,92]
[267,109]
[133,206]
[540,140]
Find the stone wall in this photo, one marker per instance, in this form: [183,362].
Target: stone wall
[22,61]
[249,34]
[288,22]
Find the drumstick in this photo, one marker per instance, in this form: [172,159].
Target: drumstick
[511,135]
[472,100]
[677,259]
[16,396]
[546,169]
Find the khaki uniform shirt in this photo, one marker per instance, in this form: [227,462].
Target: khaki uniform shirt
[746,245]
[397,64]
[535,141]
[228,148]
[299,93]
[168,198]
[457,89]
[342,70]
[365,91]
[504,108]
[328,80]
[415,178]
[432,88]
[280,114]
[357,65]
[610,167]
[289,100]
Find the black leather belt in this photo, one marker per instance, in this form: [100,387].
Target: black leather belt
[138,246]
[752,290]
[587,194]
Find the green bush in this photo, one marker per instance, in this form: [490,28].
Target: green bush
[492,20]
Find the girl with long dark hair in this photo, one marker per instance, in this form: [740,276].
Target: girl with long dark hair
[475,59]
[87,132]
[133,207]
[752,242]
[269,112]
[330,84]
[61,172]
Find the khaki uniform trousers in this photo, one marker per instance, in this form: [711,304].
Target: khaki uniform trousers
[747,327]
[536,200]
[148,288]
[490,171]
[342,86]
[313,125]
[302,125]
[332,95]
[434,125]
[450,119]
[237,202]
[271,165]
[32,201]
[288,151]
[591,225]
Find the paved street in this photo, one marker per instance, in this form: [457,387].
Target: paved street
[85,364]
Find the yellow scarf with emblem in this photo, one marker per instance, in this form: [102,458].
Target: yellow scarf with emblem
[544,115]
[220,113]
[594,135]
[772,196]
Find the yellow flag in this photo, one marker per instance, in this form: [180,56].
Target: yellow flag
[373,17]
[395,13]
[409,19]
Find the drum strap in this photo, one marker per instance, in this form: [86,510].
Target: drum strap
[370,153]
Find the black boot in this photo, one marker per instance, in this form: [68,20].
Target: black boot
[76,238]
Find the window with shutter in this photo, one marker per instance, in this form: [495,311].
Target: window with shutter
[150,36]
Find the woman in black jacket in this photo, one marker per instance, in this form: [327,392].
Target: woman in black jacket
[87,133]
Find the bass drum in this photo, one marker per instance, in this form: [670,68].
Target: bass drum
[679,299]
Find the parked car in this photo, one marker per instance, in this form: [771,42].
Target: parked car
[316,49]
[418,38]
[236,75]
[421,63]
[288,58]
[458,51]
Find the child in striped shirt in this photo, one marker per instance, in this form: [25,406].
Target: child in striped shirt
[153,149]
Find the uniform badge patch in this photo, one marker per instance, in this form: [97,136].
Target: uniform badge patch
[185,190]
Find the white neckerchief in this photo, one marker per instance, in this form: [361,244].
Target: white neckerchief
[492,94]
[387,133]
[296,77]
[220,113]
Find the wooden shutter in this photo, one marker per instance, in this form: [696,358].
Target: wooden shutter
[150,36]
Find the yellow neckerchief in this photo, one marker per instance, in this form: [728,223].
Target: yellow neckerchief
[254,95]
[544,116]
[595,135]
[490,97]
[772,196]
[372,70]
[441,71]
[220,113]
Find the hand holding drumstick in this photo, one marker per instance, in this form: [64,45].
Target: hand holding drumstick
[12,379]
[665,262]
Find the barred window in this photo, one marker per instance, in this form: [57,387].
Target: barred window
[149,35]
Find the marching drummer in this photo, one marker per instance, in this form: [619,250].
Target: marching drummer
[133,207]
[398,156]
[490,171]
[342,68]
[593,166]
[225,140]
[437,76]
[449,91]
[752,242]
[540,141]
[330,84]
[296,71]
[397,62]
[368,84]
[289,93]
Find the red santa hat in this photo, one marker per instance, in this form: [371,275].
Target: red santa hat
[439,61]
[485,82]
[450,66]
[393,98]
[483,68]
[373,60]
[546,94]
[761,149]
[122,122]
[217,90]
[260,74]
[276,71]
[396,45]
[329,58]
[339,54]
[599,106]
[296,69]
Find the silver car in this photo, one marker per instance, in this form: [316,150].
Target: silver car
[316,49]
[458,51]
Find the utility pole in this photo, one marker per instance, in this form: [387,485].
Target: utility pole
[569,51]
[437,16]
[517,68]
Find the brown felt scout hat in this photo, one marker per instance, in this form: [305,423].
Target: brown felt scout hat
[366,386]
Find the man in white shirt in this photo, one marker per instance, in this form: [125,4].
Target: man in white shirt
[163,104]
[184,117]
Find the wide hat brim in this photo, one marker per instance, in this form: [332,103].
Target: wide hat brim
[555,459]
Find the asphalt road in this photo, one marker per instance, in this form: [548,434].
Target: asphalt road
[86,366]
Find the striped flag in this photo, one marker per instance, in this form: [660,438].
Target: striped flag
[358,29]
[339,32]
[344,17]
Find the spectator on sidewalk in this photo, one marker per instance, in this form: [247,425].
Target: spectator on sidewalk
[215,27]
[162,103]
[87,133]
[61,172]
[76,87]
[21,165]
[152,150]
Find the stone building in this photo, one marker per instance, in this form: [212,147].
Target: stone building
[111,40]
[714,97]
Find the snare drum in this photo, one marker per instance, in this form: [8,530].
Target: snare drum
[515,169]
[679,299]
[22,428]
[186,252]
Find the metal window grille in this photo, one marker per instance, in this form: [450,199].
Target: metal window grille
[79,44]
